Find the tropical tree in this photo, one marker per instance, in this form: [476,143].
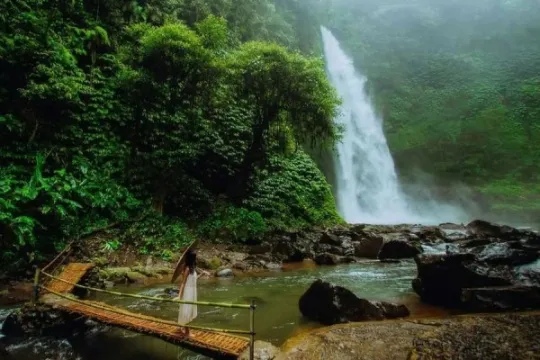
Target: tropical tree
[286,92]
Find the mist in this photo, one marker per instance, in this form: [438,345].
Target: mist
[456,86]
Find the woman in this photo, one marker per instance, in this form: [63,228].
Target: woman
[188,290]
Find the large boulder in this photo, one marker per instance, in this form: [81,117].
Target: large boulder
[331,249]
[428,234]
[483,229]
[368,247]
[330,239]
[398,249]
[292,248]
[501,298]
[442,278]
[329,304]
[507,253]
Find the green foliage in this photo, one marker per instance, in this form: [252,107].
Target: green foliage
[455,81]
[213,32]
[157,235]
[111,246]
[293,193]
[114,110]
[228,223]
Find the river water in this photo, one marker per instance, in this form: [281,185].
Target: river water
[277,315]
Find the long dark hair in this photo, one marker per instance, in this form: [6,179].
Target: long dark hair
[191,260]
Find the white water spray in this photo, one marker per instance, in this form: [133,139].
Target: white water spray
[367,190]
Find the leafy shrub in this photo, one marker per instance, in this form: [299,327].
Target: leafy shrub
[293,193]
[158,235]
[229,223]
[64,203]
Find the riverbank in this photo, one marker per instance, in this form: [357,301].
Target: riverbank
[480,336]
[311,247]
[375,263]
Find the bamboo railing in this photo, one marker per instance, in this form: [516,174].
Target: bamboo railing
[251,307]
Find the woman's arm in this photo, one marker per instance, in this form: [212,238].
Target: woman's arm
[183,283]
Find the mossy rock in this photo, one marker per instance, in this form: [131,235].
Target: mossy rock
[116,275]
[144,271]
[215,263]
[135,277]
[100,261]
[164,271]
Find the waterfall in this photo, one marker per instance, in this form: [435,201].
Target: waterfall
[367,188]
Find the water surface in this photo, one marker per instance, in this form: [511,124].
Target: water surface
[277,315]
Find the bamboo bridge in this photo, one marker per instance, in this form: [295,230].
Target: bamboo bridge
[221,343]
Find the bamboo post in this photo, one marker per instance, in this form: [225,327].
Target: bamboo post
[252,330]
[35,298]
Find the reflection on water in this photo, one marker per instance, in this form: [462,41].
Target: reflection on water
[277,315]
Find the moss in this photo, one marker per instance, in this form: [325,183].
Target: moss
[214,263]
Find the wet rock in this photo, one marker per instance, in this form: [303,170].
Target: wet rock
[135,277]
[41,320]
[455,235]
[326,259]
[241,266]
[486,229]
[429,234]
[475,242]
[171,292]
[225,273]
[115,275]
[398,249]
[263,248]
[368,247]
[289,250]
[272,266]
[508,253]
[357,228]
[263,351]
[330,239]
[348,248]
[390,261]
[528,274]
[501,298]
[258,258]
[441,278]
[4,353]
[331,249]
[329,304]
[347,260]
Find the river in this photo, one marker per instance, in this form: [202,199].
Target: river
[277,315]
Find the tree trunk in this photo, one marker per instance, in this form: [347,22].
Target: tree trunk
[239,186]
[158,200]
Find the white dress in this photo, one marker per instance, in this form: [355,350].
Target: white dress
[188,312]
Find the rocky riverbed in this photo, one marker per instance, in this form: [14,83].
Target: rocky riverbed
[476,267]
[471,337]
[509,255]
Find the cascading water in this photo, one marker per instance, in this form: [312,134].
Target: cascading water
[367,186]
